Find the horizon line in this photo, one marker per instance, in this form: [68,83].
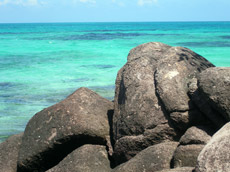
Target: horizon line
[115,22]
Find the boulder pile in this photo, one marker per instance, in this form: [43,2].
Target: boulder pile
[170,114]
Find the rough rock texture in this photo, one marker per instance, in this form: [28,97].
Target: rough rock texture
[191,144]
[151,96]
[88,158]
[215,155]
[213,94]
[197,135]
[172,77]
[129,146]
[9,153]
[186,155]
[56,131]
[153,158]
[181,169]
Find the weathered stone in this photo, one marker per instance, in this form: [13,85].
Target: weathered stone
[136,105]
[213,94]
[179,169]
[215,155]
[58,130]
[88,158]
[9,153]
[191,144]
[128,146]
[153,158]
[197,135]
[152,50]
[172,77]
[151,91]
[186,155]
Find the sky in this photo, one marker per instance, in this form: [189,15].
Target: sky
[36,11]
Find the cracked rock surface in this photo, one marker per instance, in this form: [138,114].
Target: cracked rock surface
[151,97]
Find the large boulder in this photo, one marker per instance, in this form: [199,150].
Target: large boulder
[153,158]
[9,153]
[213,94]
[88,158]
[136,105]
[215,155]
[151,96]
[172,77]
[82,118]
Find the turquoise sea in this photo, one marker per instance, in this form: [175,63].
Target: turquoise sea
[41,64]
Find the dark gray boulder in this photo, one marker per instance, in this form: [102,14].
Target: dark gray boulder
[88,158]
[191,144]
[151,94]
[197,135]
[213,94]
[153,158]
[136,105]
[82,118]
[172,77]
[186,155]
[215,155]
[128,146]
[9,153]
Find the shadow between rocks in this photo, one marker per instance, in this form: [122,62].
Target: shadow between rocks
[60,150]
[110,119]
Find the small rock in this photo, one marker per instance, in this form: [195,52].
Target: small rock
[128,146]
[9,153]
[186,155]
[88,158]
[153,158]
[197,135]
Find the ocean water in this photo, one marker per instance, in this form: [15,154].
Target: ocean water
[41,64]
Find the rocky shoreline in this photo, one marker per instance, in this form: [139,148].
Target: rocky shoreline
[170,113]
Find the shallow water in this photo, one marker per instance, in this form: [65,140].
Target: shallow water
[41,64]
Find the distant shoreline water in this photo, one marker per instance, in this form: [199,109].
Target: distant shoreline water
[42,63]
[95,22]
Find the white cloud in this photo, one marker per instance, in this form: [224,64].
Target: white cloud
[20,2]
[144,2]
